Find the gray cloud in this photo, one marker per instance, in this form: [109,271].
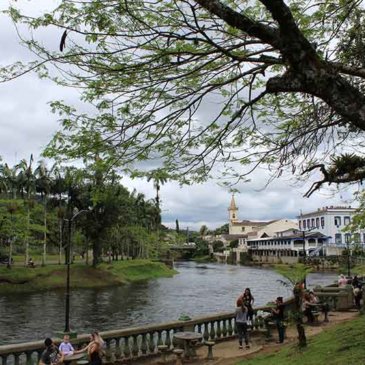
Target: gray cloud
[26,126]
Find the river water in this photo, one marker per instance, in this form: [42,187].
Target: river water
[198,289]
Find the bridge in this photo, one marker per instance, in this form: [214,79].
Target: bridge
[184,247]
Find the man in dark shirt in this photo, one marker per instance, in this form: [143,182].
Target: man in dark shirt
[51,355]
[278,317]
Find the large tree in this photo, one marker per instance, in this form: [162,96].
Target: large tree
[283,82]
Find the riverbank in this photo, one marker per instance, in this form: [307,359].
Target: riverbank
[28,280]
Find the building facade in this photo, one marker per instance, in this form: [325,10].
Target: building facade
[331,221]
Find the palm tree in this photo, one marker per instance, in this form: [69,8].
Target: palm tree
[43,186]
[10,180]
[203,231]
[27,182]
[296,275]
[159,177]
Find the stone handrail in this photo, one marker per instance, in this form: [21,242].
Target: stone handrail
[136,342]
[133,342]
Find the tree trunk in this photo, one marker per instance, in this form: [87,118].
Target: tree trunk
[44,236]
[302,340]
[27,240]
[60,243]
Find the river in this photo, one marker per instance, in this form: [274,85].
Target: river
[198,289]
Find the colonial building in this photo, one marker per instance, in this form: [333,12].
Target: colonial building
[331,221]
[276,240]
[247,229]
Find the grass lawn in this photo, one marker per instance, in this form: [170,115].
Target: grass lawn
[343,344]
[22,279]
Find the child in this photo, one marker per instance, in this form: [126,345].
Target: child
[241,323]
[65,346]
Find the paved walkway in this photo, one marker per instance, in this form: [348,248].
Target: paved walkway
[228,353]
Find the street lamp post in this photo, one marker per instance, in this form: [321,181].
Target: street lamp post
[348,258]
[68,253]
[304,259]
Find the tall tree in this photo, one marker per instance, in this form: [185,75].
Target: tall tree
[283,81]
[28,188]
[43,186]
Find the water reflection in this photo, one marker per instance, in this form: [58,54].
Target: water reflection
[198,289]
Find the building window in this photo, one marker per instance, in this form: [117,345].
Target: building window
[357,237]
[346,220]
[300,224]
[312,225]
[338,238]
[304,224]
[347,237]
[243,229]
[308,223]
[337,221]
[317,222]
[363,237]
[322,222]
[233,216]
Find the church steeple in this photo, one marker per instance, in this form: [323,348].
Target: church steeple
[233,210]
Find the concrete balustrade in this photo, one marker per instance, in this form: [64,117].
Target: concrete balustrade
[137,342]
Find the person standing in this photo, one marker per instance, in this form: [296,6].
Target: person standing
[241,323]
[248,301]
[278,317]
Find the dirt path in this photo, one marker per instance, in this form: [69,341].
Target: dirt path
[227,353]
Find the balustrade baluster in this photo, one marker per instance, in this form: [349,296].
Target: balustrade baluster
[151,343]
[144,344]
[126,350]
[206,332]
[168,339]
[108,351]
[224,330]
[219,332]
[159,338]
[39,355]
[16,358]
[118,348]
[135,350]
[28,355]
[212,331]
[230,329]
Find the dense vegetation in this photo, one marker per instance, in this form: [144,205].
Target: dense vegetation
[52,277]
[41,208]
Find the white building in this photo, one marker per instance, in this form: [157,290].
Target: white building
[255,229]
[331,221]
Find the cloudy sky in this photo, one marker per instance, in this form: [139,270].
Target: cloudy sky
[27,125]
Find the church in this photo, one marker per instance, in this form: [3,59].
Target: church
[245,230]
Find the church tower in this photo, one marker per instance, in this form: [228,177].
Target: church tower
[233,211]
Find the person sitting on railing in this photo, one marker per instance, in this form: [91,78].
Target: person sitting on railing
[342,281]
[357,296]
[51,355]
[307,308]
[65,347]
[313,299]
[94,349]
